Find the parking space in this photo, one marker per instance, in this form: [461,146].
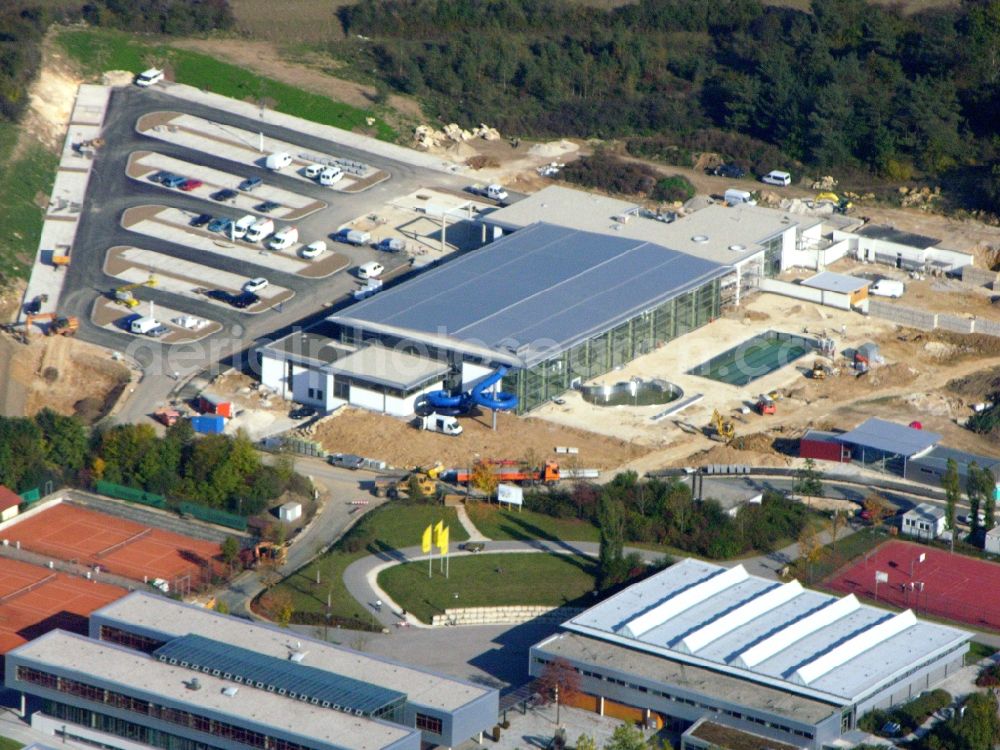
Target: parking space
[134,265]
[252,149]
[222,188]
[181,328]
[174,225]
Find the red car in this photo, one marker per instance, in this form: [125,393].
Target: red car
[189,185]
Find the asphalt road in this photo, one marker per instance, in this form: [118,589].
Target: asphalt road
[111,192]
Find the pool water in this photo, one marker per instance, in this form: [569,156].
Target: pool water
[631,393]
[754,358]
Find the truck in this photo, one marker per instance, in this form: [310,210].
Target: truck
[144,325]
[353,236]
[513,472]
[261,229]
[440,423]
[278,160]
[284,239]
[394,485]
[493,192]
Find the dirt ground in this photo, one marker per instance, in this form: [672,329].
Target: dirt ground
[61,373]
[51,98]
[396,441]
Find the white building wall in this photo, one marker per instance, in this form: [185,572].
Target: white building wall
[789,239]
[404,407]
[272,375]
[321,383]
[952,258]
[471,372]
[993,541]
[367,398]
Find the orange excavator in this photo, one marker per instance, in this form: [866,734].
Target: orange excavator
[59,325]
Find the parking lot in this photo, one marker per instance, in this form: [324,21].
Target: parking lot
[133,265]
[117,319]
[223,187]
[252,148]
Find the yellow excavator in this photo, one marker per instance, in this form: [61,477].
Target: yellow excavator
[123,295]
[724,429]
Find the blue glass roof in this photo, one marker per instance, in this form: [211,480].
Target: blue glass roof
[289,678]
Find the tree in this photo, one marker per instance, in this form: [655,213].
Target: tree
[279,606]
[974,492]
[64,440]
[810,548]
[808,480]
[611,525]
[626,737]
[953,492]
[979,727]
[485,479]
[230,550]
[838,521]
[221,607]
[559,680]
[585,742]
[875,508]
[985,484]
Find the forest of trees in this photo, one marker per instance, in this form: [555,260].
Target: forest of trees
[23,23]
[218,471]
[850,83]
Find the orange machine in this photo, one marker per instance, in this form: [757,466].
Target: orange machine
[513,471]
[59,325]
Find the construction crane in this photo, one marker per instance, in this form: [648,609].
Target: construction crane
[724,429]
[123,294]
[59,325]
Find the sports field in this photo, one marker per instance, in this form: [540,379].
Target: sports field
[129,549]
[954,587]
[754,358]
[34,600]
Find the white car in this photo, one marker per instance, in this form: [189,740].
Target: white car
[313,170]
[255,285]
[314,249]
[331,176]
[149,77]
[370,270]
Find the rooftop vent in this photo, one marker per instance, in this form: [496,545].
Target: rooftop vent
[230,691]
[737,248]
[701,239]
[297,656]
[193,684]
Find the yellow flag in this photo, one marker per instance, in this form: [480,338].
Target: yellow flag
[438,527]
[425,544]
[443,541]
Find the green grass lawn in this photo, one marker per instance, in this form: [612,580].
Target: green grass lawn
[392,526]
[522,525]
[97,50]
[978,651]
[490,580]
[836,556]
[21,182]
[8,744]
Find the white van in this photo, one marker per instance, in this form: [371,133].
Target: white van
[370,270]
[887,288]
[277,161]
[331,176]
[284,239]
[144,325]
[734,197]
[149,77]
[262,228]
[313,170]
[241,227]
[353,236]
[776,177]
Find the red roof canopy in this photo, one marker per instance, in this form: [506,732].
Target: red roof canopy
[8,499]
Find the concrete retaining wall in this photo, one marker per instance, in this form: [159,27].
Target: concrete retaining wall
[511,615]
[989,327]
[954,323]
[807,293]
[979,277]
[904,316]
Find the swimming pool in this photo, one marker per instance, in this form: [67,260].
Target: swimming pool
[755,358]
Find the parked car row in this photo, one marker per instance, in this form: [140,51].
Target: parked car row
[240,301]
[736,172]
[171,180]
[324,174]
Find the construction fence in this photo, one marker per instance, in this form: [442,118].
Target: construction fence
[131,494]
[928,321]
[214,515]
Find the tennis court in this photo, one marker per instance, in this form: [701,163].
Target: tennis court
[754,358]
[954,587]
[35,600]
[127,548]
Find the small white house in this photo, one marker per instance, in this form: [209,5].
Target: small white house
[290,512]
[925,521]
[993,540]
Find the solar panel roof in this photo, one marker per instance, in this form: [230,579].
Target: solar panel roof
[542,288]
[890,437]
[277,675]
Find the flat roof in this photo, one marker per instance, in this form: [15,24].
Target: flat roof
[777,634]
[574,646]
[822,436]
[172,619]
[937,458]
[890,437]
[726,235]
[538,291]
[891,234]
[390,367]
[139,673]
[315,344]
[836,282]
[926,512]
[730,738]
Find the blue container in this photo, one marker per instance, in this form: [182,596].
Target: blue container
[208,424]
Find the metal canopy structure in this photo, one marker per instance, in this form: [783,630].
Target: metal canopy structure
[879,439]
[288,678]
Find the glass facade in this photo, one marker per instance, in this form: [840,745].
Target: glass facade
[772,256]
[616,347]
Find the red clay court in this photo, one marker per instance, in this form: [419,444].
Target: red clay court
[954,586]
[69,532]
[34,600]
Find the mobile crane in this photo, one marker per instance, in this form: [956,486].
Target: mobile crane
[123,295]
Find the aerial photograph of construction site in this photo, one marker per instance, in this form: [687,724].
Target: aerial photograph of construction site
[567,374]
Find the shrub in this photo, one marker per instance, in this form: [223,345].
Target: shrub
[674,188]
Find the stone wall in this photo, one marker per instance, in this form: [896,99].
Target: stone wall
[510,615]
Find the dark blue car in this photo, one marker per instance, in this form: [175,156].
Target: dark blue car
[173,181]
[250,183]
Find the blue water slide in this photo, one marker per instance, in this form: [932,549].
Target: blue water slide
[499,401]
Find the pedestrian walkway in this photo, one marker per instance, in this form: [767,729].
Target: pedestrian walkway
[475,535]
